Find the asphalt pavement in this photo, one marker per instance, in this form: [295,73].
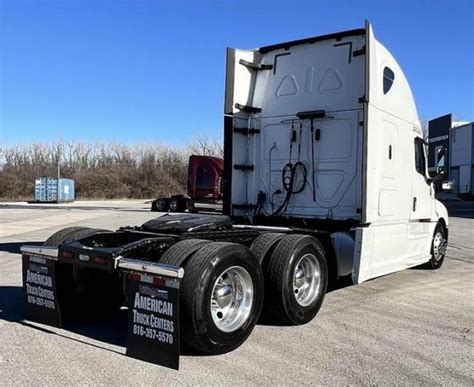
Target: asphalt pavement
[411,327]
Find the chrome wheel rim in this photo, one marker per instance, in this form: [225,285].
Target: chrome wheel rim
[439,246]
[174,205]
[307,279]
[232,299]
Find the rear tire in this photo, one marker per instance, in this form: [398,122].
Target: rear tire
[263,246]
[296,278]
[438,248]
[61,236]
[178,204]
[179,253]
[221,297]
[161,205]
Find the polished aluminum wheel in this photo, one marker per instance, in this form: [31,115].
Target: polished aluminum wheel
[232,299]
[439,246]
[307,279]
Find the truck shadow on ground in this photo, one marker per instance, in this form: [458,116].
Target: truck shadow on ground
[11,303]
[106,328]
[109,329]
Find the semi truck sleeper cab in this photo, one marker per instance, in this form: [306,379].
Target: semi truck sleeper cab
[324,177]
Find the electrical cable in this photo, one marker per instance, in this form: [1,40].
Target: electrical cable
[299,142]
[292,139]
[288,184]
[312,161]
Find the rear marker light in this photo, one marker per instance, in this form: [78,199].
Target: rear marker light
[159,281]
[68,254]
[100,260]
[83,257]
[134,277]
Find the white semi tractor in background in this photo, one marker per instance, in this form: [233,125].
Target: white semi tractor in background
[325,176]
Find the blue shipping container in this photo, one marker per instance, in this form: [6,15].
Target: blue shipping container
[46,190]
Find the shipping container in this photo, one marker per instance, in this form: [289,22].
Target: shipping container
[46,190]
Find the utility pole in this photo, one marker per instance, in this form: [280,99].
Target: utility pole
[59,172]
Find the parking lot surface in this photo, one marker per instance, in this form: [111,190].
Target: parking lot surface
[411,327]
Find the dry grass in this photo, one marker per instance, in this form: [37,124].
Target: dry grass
[100,170]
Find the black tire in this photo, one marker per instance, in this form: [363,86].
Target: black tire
[60,236]
[181,251]
[280,270]
[178,204]
[202,271]
[437,253]
[70,234]
[161,205]
[263,246]
[174,205]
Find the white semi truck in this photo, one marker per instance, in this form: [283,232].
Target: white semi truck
[325,177]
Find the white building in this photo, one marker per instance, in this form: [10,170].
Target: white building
[461,149]
[458,138]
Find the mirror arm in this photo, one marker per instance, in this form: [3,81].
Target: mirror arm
[436,178]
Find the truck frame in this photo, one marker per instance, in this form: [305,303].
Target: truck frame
[324,177]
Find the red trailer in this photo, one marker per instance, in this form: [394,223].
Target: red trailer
[204,191]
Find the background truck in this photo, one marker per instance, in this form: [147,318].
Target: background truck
[324,177]
[204,191]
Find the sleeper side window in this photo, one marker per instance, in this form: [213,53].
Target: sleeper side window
[420,162]
[388,78]
[204,177]
[200,177]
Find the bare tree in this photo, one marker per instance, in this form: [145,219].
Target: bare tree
[101,170]
[207,146]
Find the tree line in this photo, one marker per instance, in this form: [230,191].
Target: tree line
[101,170]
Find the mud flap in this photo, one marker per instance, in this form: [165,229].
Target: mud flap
[153,302]
[39,286]
[153,312]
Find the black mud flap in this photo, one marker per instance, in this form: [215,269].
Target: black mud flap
[39,290]
[153,315]
[153,302]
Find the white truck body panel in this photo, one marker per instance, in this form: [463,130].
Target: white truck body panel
[311,78]
[368,162]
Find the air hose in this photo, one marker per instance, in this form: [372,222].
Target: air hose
[288,176]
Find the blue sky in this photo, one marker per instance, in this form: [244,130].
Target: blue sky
[135,71]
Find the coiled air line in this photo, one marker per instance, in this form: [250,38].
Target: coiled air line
[290,172]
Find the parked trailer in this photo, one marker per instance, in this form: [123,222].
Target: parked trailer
[204,192]
[325,176]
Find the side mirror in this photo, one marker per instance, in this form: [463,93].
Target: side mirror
[447,185]
[441,157]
